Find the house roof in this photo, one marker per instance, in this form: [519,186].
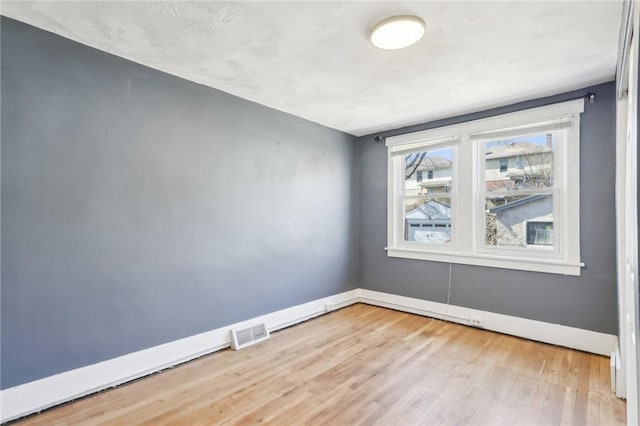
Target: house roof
[520,202]
[431,210]
[514,149]
[433,163]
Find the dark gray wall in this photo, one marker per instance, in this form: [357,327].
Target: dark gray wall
[139,208]
[588,301]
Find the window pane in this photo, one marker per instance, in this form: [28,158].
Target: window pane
[514,221]
[428,220]
[428,172]
[520,163]
[540,233]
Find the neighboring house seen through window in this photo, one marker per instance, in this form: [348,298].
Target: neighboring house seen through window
[540,233]
[501,192]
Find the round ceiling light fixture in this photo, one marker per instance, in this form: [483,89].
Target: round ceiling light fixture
[397,32]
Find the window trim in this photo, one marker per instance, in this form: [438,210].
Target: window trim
[467,219]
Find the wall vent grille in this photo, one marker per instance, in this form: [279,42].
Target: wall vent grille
[241,338]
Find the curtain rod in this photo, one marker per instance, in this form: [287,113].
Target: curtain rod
[591,96]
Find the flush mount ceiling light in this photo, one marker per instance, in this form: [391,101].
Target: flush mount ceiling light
[397,32]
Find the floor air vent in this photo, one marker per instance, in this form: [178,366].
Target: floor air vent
[248,336]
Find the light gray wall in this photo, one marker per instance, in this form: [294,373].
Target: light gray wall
[139,208]
[588,301]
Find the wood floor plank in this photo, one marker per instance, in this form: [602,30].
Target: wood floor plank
[365,365]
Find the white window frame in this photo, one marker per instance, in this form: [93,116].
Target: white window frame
[467,224]
[397,182]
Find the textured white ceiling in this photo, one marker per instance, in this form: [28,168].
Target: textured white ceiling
[314,60]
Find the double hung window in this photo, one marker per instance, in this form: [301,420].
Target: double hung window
[501,192]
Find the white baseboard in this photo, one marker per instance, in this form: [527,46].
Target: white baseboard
[35,396]
[556,334]
[38,395]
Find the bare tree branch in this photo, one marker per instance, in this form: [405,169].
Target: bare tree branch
[415,164]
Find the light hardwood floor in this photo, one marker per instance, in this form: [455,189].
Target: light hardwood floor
[366,365]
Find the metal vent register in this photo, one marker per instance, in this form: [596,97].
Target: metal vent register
[244,337]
